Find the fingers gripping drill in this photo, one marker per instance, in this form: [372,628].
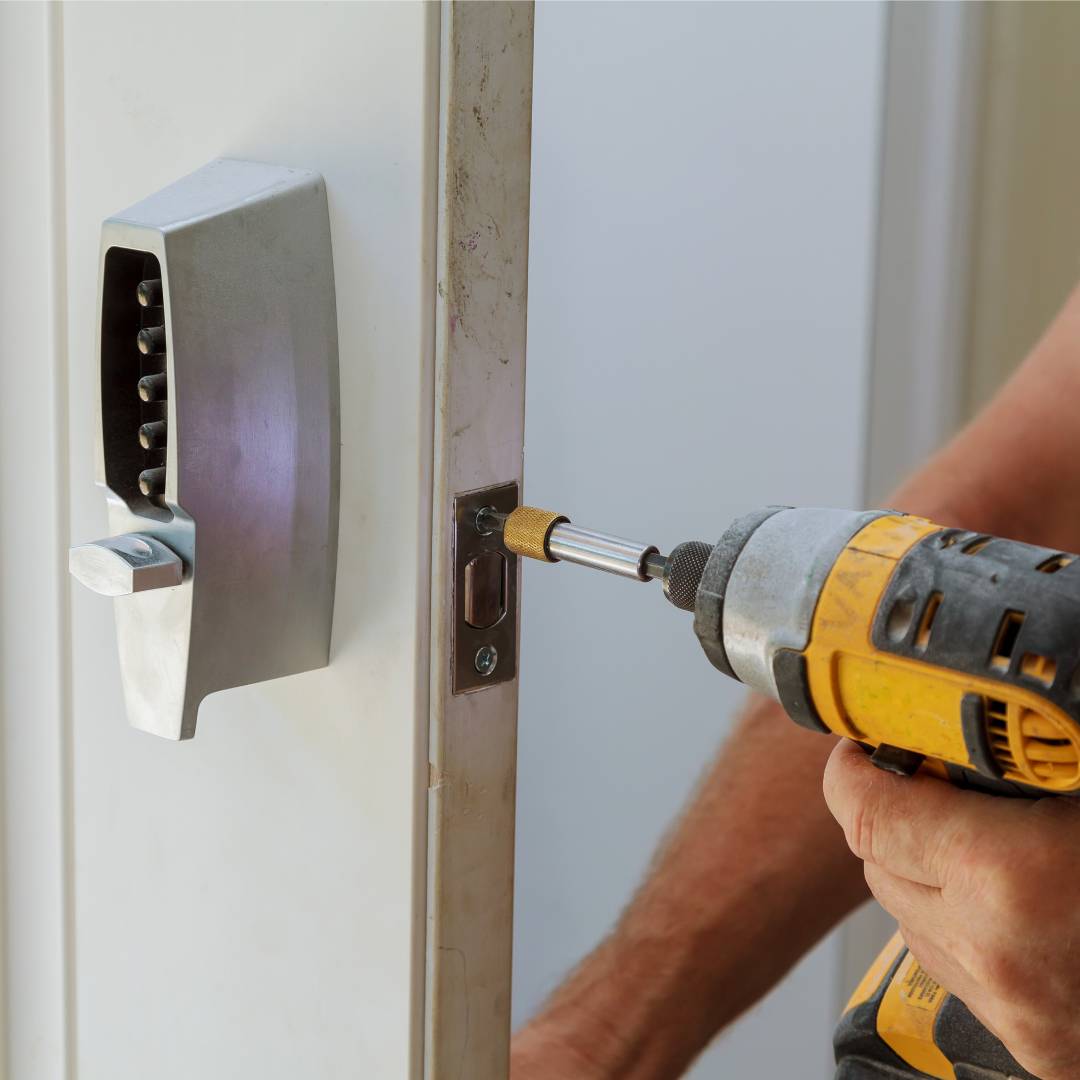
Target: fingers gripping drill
[934,648]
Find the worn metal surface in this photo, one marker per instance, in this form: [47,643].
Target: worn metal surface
[119,565]
[498,632]
[600,551]
[775,583]
[485,137]
[248,494]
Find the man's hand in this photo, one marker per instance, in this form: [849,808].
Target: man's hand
[987,894]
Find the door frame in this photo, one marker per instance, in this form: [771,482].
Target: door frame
[485,135]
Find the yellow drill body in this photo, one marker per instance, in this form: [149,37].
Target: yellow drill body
[933,648]
[877,697]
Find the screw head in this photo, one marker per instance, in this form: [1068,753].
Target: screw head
[487,656]
[482,520]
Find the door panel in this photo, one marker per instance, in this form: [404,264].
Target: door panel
[251,903]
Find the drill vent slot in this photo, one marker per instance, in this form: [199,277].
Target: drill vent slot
[1005,642]
[926,624]
[1032,748]
[973,547]
[1039,667]
[901,616]
[1055,563]
[997,726]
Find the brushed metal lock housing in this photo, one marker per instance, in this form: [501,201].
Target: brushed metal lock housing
[218,441]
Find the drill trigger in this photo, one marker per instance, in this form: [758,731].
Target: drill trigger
[896,759]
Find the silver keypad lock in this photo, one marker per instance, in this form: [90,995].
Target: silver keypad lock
[218,444]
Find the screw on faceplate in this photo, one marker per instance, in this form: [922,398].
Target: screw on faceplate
[487,656]
[489,520]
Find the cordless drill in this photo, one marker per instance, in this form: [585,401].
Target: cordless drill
[934,648]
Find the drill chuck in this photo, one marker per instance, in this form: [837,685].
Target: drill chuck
[683,571]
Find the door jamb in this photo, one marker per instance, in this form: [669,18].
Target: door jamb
[480,310]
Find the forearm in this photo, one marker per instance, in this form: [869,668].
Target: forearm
[687,956]
[1015,469]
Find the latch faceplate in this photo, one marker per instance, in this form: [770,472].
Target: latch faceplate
[485,594]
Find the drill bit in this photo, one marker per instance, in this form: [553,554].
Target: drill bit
[551,537]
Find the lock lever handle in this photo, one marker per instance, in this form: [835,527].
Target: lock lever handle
[120,565]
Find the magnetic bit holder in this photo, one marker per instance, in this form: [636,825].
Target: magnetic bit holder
[218,437]
[551,537]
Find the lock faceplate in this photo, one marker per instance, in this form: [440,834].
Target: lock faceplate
[485,594]
[218,435]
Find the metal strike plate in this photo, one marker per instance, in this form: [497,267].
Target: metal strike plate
[484,645]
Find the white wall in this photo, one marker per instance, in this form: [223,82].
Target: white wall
[705,186]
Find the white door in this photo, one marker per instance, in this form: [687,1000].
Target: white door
[303,889]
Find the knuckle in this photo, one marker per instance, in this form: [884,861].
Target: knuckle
[874,877]
[877,884]
[944,856]
[958,850]
[863,834]
[866,826]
